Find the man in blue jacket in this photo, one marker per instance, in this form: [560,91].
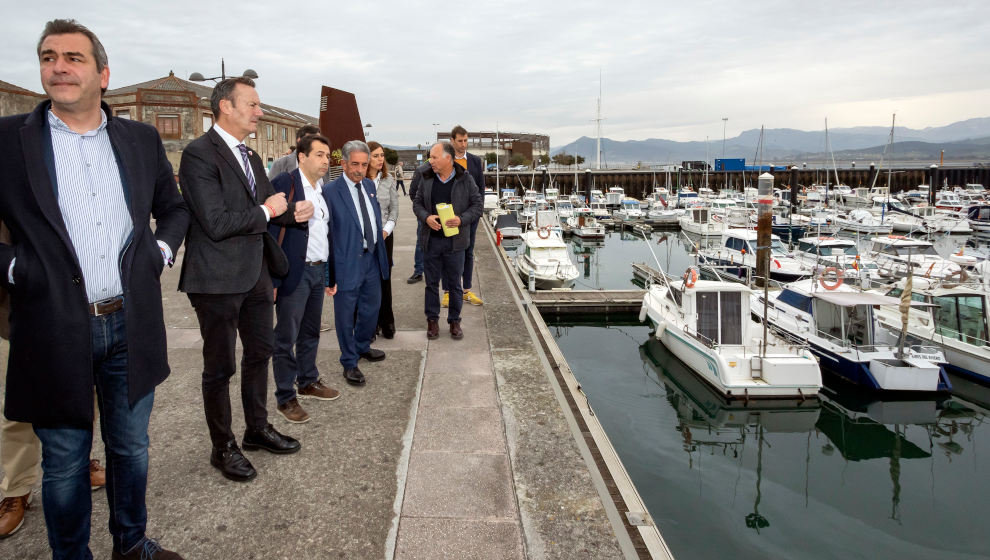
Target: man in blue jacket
[358,260]
[299,295]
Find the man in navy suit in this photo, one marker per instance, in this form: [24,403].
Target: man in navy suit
[299,295]
[358,262]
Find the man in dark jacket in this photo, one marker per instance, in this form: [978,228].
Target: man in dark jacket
[82,268]
[445,182]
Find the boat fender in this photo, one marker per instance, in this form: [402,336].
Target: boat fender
[831,285]
[543,232]
[498,238]
[776,262]
[642,312]
[690,277]
[661,327]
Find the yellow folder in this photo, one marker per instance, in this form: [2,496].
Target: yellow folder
[446,212]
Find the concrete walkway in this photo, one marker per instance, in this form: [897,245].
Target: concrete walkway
[454,449]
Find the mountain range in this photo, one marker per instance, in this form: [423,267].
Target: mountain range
[967,140]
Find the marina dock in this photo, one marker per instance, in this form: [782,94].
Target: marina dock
[479,448]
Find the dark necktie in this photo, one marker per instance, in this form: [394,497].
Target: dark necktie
[247,169]
[369,237]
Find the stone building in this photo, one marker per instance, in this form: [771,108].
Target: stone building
[505,144]
[180,110]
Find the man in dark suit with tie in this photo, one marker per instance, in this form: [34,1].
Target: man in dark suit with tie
[78,189]
[225,272]
[358,260]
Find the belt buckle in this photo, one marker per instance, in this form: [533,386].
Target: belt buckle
[95,307]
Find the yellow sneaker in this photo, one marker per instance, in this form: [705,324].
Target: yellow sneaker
[445,300]
[472,298]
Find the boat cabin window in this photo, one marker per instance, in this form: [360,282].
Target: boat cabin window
[962,317]
[836,250]
[795,300]
[845,325]
[675,296]
[720,316]
[915,250]
[806,247]
[700,215]
[734,243]
[777,248]
[896,293]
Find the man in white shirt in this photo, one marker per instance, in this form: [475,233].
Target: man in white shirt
[299,295]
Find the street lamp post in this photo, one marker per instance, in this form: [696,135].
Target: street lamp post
[725,121]
[197,77]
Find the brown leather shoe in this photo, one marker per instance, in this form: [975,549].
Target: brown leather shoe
[432,329]
[97,475]
[317,390]
[292,412]
[455,330]
[12,514]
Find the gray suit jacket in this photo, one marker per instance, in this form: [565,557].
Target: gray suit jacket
[284,164]
[388,200]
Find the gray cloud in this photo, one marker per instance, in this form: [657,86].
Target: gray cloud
[670,70]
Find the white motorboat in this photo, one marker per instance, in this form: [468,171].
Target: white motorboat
[660,215]
[511,203]
[819,221]
[897,256]
[821,252]
[948,200]
[615,196]
[600,210]
[707,325]
[839,325]
[564,208]
[979,218]
[490,201]
[862,220]
[687,198]
[583,224]
[956,319]
[700,221]
[551,194]
[628,210]
[597,196]
[737,251]
[506,224]
[920,218]
[546,258]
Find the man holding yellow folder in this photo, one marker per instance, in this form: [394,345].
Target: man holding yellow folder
[448,202]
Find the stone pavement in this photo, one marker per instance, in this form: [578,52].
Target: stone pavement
[454,449]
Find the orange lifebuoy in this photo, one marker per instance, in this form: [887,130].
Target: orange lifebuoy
[543,230]
[831,285]
[690,277]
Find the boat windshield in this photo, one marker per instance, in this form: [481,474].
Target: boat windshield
[835,250]
[913,250]
[962,317]
[777,248]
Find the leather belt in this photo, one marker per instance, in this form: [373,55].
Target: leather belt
[315,263]
[106,306]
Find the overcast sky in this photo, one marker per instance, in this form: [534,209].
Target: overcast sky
[669,70]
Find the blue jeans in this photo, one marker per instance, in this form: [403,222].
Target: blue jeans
[418,255]
[297,334]
[66,494]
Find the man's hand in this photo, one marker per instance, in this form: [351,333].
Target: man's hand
[384,233]
[454,222]
[275,294]
[304,211]
[277,204]
[331,290]
[434,222]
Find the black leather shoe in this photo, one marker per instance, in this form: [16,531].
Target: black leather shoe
[388,331]
[270,440]
[414,278]
[373,355]
[354,376]
[232,463]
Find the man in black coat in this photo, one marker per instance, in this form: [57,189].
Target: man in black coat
[78,189]
[225,271]
[445,183]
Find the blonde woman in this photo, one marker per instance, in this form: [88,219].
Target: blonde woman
[388,200]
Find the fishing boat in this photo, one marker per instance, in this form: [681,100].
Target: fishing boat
[897,256]
[551,194]
[737,251]
[707,325]
[838,322]
[597,196]
[956,319]
[600,210]
[564,208]
[615,196]
[545,258]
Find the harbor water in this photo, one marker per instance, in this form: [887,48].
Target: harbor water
[844,476]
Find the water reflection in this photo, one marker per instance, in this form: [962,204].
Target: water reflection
[843,476]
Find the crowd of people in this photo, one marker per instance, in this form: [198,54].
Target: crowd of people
[78,191]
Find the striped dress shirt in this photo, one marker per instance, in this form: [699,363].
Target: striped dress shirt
[91,198]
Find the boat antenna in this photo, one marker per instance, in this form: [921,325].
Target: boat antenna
[663,274]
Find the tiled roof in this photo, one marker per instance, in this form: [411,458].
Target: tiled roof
[172,83]
[11,87]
